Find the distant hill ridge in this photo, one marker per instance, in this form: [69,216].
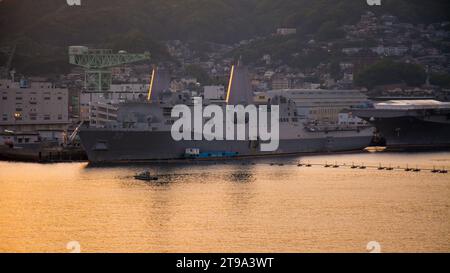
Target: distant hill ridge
[43,29]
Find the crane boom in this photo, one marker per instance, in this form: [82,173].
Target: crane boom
[98,63]
[105,58]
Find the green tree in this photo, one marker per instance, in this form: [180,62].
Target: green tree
[390,72]
[442,80]
[335,70]
[329,31]
[199,73]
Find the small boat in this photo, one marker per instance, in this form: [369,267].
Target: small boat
[146,176]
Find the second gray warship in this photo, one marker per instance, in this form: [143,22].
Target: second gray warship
[410,124]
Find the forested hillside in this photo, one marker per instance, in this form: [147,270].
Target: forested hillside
[43,29]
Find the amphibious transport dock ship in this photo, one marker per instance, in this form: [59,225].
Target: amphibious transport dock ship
[142,131]
[410,124]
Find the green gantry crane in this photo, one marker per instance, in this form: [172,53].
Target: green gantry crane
[97,64]
[9,52]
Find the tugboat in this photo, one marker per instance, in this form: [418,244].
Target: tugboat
[146,176]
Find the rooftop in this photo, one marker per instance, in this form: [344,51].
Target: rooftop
[412,104]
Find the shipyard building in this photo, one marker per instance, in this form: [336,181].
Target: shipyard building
[325,106]
[33,110]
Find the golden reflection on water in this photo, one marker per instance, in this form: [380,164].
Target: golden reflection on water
[228,207]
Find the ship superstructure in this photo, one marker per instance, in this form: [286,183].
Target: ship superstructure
[142,131]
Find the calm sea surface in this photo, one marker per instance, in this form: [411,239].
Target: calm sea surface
[231,207]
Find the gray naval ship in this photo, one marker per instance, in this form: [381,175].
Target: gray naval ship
[410,124]
[142,131]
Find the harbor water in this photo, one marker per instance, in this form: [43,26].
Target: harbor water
[239,206]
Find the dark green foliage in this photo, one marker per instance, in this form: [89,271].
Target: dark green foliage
[335,70]
[442,80]
[389,72]
[136,25]
[329,31]
[199,73]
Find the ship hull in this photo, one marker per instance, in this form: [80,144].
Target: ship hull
[410,130]
[404,133]
[102,145]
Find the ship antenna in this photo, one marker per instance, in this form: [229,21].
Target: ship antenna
[150,88]
[229,84]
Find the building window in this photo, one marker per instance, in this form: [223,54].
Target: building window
[46,117]
[60,117]
[4,98]
[46,98]
[167,111]
[18,98]
[18,116]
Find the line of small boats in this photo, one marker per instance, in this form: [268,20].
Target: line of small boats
[147,176]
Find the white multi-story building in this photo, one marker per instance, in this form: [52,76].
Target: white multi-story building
[321,104]
[390,50]
[34,107]
[117,93]
[281,83]
[286,31]
[100,114]
[351,50]
[214,92]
